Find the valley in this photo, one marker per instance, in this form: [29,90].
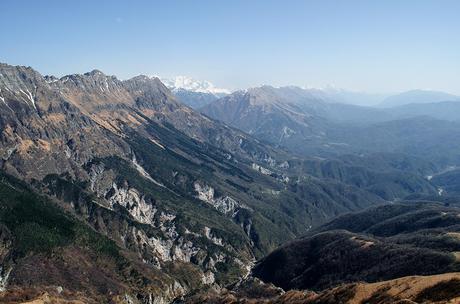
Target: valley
[229,152]
[171,203]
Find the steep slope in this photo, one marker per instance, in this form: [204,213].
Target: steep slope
[111,110]
[44,248]
[40,127]
[378,244]
[276,114]
[285,117]
[288,117]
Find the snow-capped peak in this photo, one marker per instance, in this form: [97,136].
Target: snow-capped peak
[190,84]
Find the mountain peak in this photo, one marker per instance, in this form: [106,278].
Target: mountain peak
[190,84]
[95,72]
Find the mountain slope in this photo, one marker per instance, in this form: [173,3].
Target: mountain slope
[44,248]
[310,125]
[273,115]
[378,244]
[442,289]
[390,176]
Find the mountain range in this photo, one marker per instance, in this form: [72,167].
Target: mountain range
[308,124]
[198,93]
[116,191]
[192,92]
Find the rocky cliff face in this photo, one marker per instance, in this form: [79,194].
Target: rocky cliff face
[79,116]
[42,132]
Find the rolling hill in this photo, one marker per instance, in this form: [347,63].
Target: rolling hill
[377,244]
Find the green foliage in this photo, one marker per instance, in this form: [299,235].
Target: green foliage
[387,242]
[227,272]
[449,181]
[390,176]
[38,225]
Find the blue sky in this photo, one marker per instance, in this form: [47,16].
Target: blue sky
[374,46]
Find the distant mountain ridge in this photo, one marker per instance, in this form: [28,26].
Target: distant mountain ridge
[308,123]
[418,97]
[193,85]
[192,92]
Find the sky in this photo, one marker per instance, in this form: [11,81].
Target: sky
[372,46]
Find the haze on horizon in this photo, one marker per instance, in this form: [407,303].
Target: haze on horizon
[384,47]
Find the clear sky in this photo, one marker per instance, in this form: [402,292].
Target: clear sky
[374,46]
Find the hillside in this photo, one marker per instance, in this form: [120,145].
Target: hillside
[441,289]
[44,248]
[377,244]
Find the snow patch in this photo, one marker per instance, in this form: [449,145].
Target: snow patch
[29,96]
[2,98]
[156,142]
[190,84]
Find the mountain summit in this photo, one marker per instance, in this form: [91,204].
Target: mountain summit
[193,85]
